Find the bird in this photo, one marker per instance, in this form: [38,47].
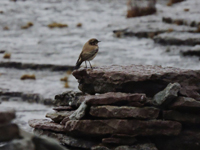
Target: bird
[89,51]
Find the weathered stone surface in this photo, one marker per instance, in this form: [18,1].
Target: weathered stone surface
[63,122]
[71,98]
[46,125]
[146,146]
[63,108]
[59,116]
[137,79]
[183,117]
[79,113]
[119,141]
[8,132]
[112,98]
[167,95]
[187,140]
[124,112]
[186,104]
[68,140]
[6,115]
[115,126]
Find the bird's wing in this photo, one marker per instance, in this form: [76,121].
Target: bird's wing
[85,55]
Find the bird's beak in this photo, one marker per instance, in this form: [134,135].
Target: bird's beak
[99,41]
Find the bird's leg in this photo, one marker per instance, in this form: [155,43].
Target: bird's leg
[90,64]
[85,64]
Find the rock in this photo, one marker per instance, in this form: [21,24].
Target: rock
[167,95]
[191,53]
[63,108]
[116,126]
[194,51]
[119,141]
[63,122]
[146,146]
[46,125]
[22,144]
[185,104]
[6,115]
[112,98]
[178,38]
[184,117]
[68,99]
[124,112]
[79,113]
[59,116]
[137,79]
[100,148]
[9,132]
[42,143]
[186,140]
[68,140]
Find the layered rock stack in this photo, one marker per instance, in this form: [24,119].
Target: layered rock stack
[137,107]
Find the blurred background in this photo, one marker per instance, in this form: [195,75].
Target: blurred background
[40,41]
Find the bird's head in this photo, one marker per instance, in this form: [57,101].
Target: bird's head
[93,41]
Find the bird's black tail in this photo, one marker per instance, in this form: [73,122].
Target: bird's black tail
[78,63]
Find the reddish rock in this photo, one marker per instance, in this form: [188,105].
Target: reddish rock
[59,116]
[115,126]
[6,115]
[137,79]
[119,141]
[117,98]
[124,112]
[46,125]
[145,146]
[183,117]
[186,104]
[9,132]
[63,122]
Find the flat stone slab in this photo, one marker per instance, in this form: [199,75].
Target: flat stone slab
[137,79]
[183,117]
[124,112]
[68,140]
[186,104]
[45,124]
[117,126]
[119,141]
[6,115]
[112,98]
